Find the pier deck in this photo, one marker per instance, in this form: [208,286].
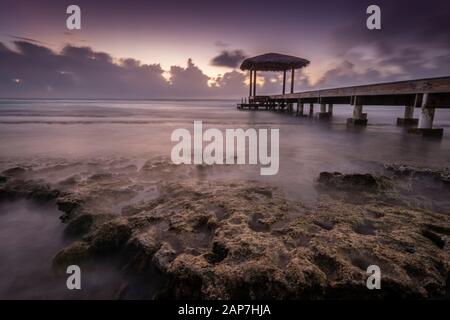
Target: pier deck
[426,94]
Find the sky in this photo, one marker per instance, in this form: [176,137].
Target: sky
[192,49]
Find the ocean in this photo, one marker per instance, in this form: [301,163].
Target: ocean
[38,133]
[46,129]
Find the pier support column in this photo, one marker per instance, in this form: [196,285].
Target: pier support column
[301,109]
[323,114]
[292,80]
[251,84]
[254,83]
[290,107]
[311,109]
[426,121]
[408,118]
[359,118]
[330,109]
[426,118]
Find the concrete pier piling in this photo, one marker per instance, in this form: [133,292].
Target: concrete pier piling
[330,109]
[408,118]
[359,118]
[426,119]
[300,108]
[323,114]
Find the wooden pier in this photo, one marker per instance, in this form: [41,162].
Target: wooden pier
[423,94]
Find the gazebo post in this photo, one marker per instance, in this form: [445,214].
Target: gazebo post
[251,83]
[292,80]
[284,81]
[254,83]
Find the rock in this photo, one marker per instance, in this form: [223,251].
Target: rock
[76,253]
[327,225]
[141,248]
[245,239]
[435,238]
[14,172]
[164,256]
[68,204]
[321,253]
[110,236]
[401,170]
[44,193]
[218,254]
[84,223]
[34,190]
[355,182]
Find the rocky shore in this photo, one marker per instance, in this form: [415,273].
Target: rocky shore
[244,239]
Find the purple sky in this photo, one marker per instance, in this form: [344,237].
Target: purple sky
[162,49]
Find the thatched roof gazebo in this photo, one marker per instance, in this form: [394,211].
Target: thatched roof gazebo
[272,62]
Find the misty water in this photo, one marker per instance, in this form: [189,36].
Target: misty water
[39,131]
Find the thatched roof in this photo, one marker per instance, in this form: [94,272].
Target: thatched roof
[273,62]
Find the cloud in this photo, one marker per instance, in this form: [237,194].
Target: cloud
[25,39]
[231,83]
[345,74]
[411,44]
[230,59]
[189,81]
[75,72]
[33,70]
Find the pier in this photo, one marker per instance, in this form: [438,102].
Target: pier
[426,95]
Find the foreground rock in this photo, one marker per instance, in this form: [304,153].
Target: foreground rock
[355,181]
[414,171]
[244,239]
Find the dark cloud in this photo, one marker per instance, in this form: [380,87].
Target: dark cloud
[230,59]
[80,72]
[411,44]
[76,72]
[345,74]
[26,39]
